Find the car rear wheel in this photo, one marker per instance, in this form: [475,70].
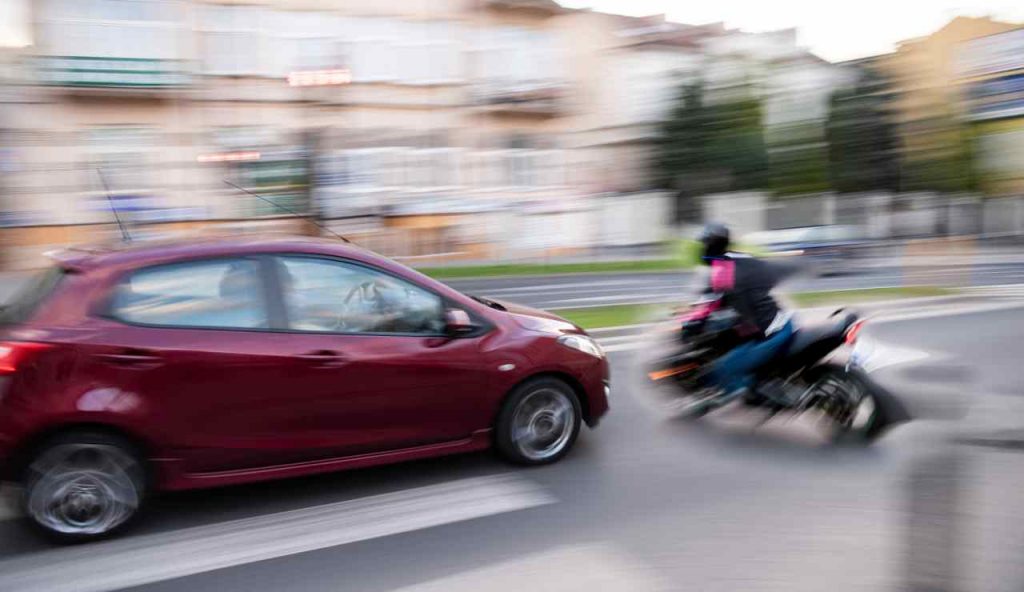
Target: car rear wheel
[538,423]
[81,486]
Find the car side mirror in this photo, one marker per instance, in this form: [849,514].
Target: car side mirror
[457,322]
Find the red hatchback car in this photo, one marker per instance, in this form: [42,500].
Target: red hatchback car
[163,367]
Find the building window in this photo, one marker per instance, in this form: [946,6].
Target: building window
[122,154]
[110,28]
[273,167]
[390,50]
[515,55]
[232,40]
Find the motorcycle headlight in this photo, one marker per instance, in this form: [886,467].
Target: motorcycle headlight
[582,343]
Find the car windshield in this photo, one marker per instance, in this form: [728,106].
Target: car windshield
[31,294]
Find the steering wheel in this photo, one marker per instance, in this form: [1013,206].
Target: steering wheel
[367,292]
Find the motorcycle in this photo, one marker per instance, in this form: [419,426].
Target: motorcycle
[812,373]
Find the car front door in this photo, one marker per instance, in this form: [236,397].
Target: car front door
[372,368]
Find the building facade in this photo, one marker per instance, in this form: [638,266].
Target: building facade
[991,76]
[366,113]
[929,108]
[476,128]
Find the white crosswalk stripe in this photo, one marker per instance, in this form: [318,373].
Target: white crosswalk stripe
[135,561]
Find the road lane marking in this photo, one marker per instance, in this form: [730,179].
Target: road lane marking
[605,330]
[136,561]
[611,349]
[599,301]
[566,286]
[563,569]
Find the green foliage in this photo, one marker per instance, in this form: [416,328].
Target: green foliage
[799,160]
[941,159]
[862,139]
[512,269]
[711,146]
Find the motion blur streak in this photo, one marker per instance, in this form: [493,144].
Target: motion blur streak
[142,560]
[527,154]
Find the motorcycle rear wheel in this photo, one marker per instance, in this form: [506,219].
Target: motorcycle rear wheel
[856,417]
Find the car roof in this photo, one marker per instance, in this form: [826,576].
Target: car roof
[138,254]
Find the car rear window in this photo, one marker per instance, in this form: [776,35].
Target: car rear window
[212,294]
[30,295]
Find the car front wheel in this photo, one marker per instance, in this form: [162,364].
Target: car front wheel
[538,423]
[81,486]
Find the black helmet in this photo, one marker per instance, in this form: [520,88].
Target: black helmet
[714,240]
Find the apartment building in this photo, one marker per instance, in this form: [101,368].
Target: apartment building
[991,76]
[452,125]
[928,105]
[630,71]
[384,112]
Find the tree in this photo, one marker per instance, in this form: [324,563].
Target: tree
[704,147]
[862,140]
[940,157]
[798,158]
[681,141]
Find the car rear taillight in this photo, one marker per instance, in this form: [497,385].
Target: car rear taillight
[853,332]
[16,353]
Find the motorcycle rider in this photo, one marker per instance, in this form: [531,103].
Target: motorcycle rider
[745,284]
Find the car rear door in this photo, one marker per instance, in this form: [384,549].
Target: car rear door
[188,353]
[373,368]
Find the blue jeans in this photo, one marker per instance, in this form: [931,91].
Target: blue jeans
[735,370]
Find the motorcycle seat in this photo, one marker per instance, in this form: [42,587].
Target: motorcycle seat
[829,333]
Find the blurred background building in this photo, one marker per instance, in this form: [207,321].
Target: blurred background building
[990,71]
[488,129]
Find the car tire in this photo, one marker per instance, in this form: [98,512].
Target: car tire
[538,423]
[82,486]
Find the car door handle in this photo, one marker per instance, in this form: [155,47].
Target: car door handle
[132,359]
[324,358]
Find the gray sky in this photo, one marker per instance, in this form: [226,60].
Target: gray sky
[13,25]
[834,29]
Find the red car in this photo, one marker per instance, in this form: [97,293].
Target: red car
[163,367]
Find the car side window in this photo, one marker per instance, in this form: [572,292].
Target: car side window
[327,295]
[211,294]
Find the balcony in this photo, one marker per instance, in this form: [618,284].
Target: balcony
[138,75]
[540,99]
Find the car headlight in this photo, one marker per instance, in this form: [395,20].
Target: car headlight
[582,343]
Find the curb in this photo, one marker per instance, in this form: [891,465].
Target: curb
[879,306]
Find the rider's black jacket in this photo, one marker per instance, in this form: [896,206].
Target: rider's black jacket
[746,284]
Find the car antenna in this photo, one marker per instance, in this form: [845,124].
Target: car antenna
[113,208]
[289,210]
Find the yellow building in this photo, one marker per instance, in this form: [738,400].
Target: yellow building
[991,70]
[928,106]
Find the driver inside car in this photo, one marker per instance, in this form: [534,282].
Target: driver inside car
[359,303]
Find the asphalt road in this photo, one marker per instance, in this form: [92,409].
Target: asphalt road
[572,291]
[643,503]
